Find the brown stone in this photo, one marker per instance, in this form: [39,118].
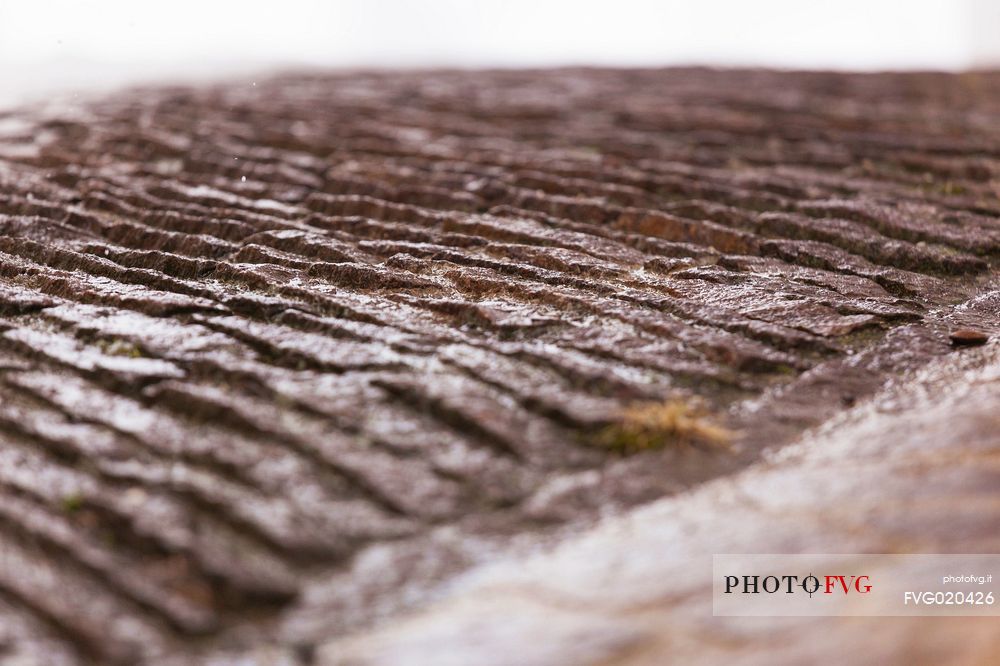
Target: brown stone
[967,337]
[276,361]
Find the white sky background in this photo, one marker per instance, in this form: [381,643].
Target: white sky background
[56,45]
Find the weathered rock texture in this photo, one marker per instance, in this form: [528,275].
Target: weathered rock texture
[277,358]
[914,470]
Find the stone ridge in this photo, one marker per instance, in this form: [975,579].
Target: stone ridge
[327,326]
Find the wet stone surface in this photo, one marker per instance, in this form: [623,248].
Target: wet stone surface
[275,360]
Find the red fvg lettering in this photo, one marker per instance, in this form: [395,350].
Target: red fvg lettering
[855,582]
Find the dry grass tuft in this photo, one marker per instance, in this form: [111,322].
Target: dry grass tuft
[656,425]
[119,348]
